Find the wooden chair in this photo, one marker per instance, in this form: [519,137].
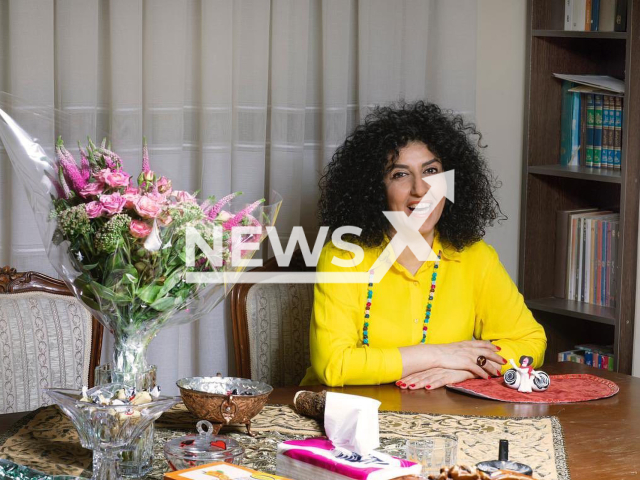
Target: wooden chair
[271,327]
[47,339]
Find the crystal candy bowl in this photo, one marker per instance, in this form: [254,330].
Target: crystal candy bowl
[201,449]
[110,429]
[224,400]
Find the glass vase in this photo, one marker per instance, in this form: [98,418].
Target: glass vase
[108,430]
[138,462]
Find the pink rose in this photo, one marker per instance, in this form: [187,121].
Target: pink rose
[131,195]
[117,179]
[147,208]
[139,229]
[113,203]
[101,175]
[157,197]
[90,189]
[164,185]
[182,196]
[130,199]
[94,209]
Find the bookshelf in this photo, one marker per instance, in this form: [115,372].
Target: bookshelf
[548,187]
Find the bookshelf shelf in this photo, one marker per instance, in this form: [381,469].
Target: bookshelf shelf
[583,173]
[571,308]
[572,34]
[547,189]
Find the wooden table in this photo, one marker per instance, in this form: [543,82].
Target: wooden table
[602,438]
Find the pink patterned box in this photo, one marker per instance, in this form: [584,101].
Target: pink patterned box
[318,459]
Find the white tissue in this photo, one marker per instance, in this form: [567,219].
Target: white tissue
[351,422]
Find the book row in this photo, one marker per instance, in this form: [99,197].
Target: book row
[586,256]
[595,15]
[593,355]
[591,128]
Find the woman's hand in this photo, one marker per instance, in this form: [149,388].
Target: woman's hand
[453,356]
[464,356]
[433,378]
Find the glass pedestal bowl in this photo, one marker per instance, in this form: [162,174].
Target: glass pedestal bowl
[108,430]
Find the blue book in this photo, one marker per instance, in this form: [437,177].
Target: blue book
[611,132]
[617,143]
[565,122]
[591,123]
[575,130]
[597,132]
[595,15]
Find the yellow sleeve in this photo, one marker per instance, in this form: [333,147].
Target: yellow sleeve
[502,316]
[337,355]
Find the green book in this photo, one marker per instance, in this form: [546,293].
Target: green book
[591,123]
[597,132]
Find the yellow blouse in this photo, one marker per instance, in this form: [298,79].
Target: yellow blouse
[474,298]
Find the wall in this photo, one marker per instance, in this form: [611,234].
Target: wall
[500,79]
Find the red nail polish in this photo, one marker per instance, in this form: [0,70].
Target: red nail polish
[499,373]
[403,385]
[504,361]
[412,385]
[398,383]
[428,386]
[498,348]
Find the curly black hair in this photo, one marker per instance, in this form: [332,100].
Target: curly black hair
[352,187]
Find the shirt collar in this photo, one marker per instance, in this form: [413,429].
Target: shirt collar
[448,251]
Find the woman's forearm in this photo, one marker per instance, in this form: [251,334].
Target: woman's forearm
[457,356]
[417,358]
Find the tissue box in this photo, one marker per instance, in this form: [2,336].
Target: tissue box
[221,471]
[317,459]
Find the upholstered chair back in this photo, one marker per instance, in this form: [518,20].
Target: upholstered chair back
[46,340]
[278,318]
[271,328]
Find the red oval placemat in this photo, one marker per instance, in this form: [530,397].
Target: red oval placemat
[580,387]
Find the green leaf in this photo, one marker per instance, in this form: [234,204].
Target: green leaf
[149,293]
[103,292]
[89,302]
[163,304]
[130,275]
[170,282]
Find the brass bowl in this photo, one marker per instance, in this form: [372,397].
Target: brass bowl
[224,400]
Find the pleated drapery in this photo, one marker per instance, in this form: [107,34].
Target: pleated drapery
[250,95]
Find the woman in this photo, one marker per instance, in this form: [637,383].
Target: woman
[426,323]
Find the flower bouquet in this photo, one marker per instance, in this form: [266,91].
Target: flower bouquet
[127,245]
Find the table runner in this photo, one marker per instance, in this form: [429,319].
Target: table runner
[47,441]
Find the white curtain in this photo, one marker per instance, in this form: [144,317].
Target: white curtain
[250,95]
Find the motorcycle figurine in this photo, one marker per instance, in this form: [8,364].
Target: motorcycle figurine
[524,378]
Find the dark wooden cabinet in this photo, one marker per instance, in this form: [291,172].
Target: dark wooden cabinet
[548,186]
